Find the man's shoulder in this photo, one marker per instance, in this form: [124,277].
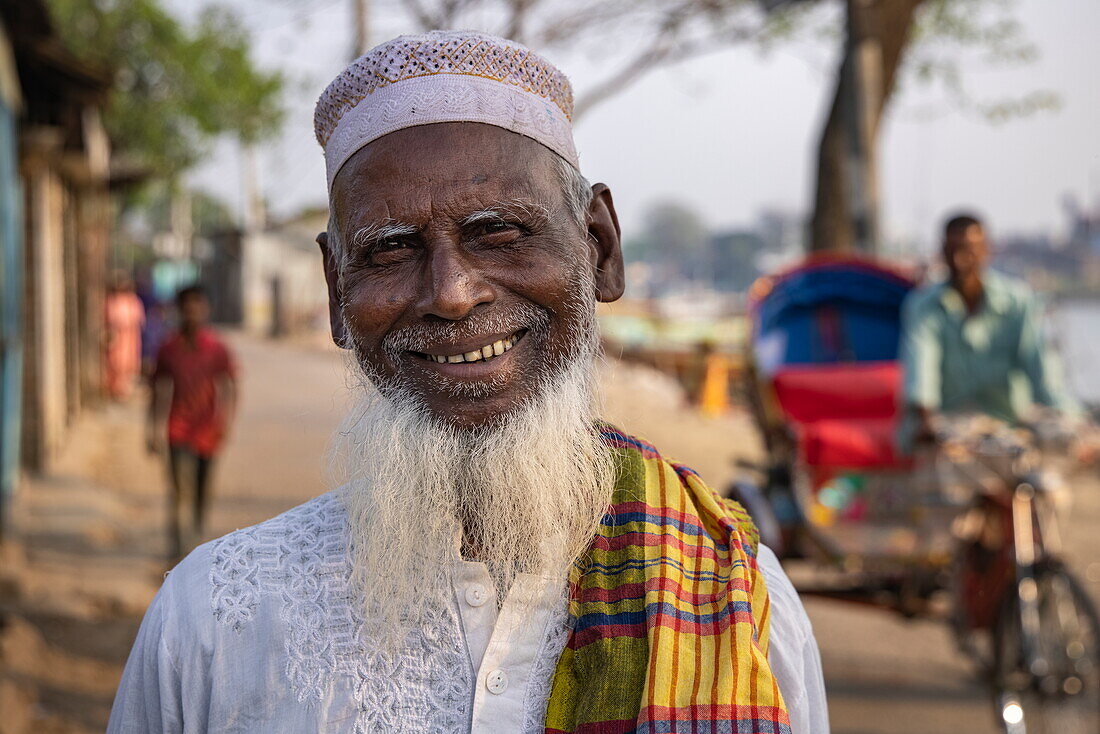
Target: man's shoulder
[696,496]
[234,571]
[1013,291]
[643,450]
[924,297]
[786,603]
[310,514]
[171,341]
[213,340]
[319,517]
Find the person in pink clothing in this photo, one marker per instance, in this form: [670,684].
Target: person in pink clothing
[124,318]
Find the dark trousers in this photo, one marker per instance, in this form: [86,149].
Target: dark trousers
[190,474]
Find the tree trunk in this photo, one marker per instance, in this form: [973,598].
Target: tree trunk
[360,23]
[887,25]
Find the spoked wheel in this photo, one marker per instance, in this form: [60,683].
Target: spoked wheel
[1047,680]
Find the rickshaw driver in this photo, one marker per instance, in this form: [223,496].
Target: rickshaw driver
[974,342]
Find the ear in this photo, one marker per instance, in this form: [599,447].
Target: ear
[604,240]
[335,296]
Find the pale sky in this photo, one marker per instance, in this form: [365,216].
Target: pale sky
[734,132]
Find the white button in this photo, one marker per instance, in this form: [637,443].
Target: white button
[496,681]
[476,595]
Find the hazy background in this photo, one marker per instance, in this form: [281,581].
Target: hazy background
[736,130]
[124,132]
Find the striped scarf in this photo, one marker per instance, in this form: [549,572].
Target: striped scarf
[671,613]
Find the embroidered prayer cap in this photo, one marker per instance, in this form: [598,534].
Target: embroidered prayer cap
[444,76]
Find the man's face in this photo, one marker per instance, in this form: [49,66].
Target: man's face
[194,311]
[465,278]
[966,252]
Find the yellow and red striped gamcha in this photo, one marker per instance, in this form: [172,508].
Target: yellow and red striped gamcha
[670,613]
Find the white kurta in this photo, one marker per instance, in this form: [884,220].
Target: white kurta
[259,632]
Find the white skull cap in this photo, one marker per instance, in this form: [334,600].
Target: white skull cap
[444,76]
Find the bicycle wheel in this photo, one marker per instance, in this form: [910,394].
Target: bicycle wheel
[1053,687]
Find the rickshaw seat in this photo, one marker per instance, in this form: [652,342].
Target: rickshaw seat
[851,444]
[844,415]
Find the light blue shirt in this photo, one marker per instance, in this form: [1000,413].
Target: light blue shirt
[992,361]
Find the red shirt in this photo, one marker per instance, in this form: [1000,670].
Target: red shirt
[195,420]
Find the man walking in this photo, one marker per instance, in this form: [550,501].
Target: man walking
[191,408]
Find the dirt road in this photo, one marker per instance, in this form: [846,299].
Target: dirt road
[93,541]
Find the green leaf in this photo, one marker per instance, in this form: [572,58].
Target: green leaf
[176,87]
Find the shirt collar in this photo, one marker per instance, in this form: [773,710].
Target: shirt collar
[202,336]
[995,296]
[996,293]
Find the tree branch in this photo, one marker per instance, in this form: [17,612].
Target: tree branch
[449,12]
[519,10]
[669,25]
[566,27]
[662,51]
[423,18]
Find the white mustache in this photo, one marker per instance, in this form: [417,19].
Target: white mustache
[424,336]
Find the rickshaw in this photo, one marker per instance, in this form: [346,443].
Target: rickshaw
[966,531]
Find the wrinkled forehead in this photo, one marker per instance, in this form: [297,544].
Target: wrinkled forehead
[445,169]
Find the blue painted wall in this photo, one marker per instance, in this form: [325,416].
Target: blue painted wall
[11,308]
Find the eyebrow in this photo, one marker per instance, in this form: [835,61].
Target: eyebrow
[528,211]
[383,230]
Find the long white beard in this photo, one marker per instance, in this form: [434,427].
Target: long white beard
[525,494]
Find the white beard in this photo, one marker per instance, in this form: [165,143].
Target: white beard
[524,495]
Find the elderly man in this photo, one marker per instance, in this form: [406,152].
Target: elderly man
[498,560]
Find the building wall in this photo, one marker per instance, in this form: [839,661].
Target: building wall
[58,248]
[46,393]
[11,280]
[221,275]
[284,284]
[89,217]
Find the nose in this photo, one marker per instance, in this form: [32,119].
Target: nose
[452,285]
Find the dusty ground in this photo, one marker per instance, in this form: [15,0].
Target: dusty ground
[90,541]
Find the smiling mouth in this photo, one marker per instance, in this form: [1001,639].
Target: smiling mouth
[481,354]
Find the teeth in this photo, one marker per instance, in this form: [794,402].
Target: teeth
[495,349]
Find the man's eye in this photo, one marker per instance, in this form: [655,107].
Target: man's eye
[390,245]
[497,226]
[386,252]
